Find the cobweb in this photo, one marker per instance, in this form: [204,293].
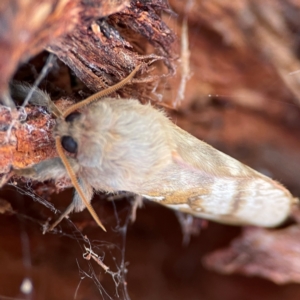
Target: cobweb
[94,252]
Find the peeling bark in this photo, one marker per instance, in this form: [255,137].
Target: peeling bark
[274,255]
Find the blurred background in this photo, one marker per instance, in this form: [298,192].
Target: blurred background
[233,80]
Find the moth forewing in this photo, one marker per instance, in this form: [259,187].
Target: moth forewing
[208,183]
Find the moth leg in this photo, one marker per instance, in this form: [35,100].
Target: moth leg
[137,202]
[88,192]
[76,204]
[52,168]
[19,91]
[69,209]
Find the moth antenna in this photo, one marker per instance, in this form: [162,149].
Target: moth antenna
[75,183]
[101,94]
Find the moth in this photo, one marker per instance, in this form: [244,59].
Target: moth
[122,145]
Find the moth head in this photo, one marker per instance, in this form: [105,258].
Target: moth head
[64,140]
[69,133]
[80,136]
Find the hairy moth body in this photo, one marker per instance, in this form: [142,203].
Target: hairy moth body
[124,145]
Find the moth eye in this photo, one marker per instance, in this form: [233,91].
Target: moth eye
[69,144]
[72,116]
